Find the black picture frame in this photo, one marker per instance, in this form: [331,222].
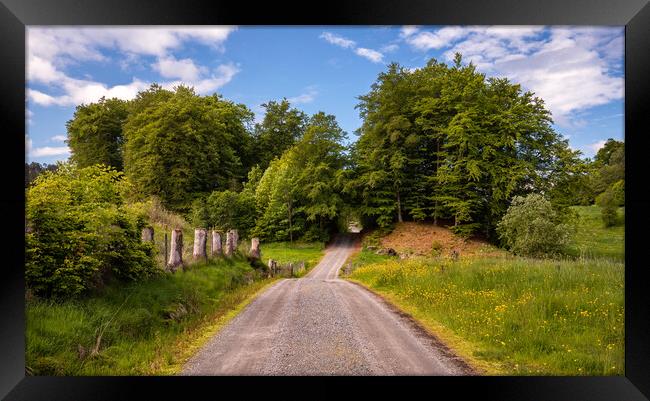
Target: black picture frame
[633,14]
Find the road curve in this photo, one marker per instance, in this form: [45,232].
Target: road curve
[322,325]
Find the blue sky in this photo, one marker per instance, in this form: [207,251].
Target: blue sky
[578,71]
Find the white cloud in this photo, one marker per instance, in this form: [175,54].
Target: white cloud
[84,43]
[45,150]
[338,40]
[59,138]
[50,151]
[408,30]
[390,48]
[306,97]
[372,55]
[435,40]
[221,76]
[570,67]
[50,50]
[185,69]
[595,147]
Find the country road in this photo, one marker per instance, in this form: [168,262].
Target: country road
[322,325]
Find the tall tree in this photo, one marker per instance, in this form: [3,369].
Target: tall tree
[34,169]
[280,129]
[445,142]
[95,133]
[181,146]
[298,195]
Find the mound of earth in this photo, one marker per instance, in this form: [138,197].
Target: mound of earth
[413,238]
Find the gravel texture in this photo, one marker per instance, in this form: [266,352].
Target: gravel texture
[322,325]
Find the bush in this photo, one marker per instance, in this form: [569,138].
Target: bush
[81,233]
[436,248]
[531,227]
[608,202]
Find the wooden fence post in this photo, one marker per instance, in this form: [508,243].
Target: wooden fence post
[231,244]
[255,248]
[216,243]
[176,254]
[165,249]
[200,239]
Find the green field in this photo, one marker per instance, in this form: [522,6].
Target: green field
[593,240]
[519,316]
[143,328]
[284,253]
[515,316]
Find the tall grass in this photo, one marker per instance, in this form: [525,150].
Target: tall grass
[140,328]
[517,316]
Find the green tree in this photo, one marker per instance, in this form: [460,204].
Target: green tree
[181,146]
[280,129]
[531,227]
[81,233]
[609,166]
[95,133]
[34,169]
[447,143]
[299,194]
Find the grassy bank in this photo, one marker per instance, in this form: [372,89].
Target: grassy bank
[593,240]
[144,328]
[514,315]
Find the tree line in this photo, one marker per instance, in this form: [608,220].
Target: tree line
[442,143]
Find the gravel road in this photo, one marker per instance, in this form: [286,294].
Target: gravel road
[322,325]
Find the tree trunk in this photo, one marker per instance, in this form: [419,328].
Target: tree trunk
[200,240]
[290,226]
[255,248]
[399,208]
[176,250]
[216,243]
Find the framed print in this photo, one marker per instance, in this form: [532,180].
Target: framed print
[448,190]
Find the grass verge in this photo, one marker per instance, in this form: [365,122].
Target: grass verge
[143,328]
[514,316]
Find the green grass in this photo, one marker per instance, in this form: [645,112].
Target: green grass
[514,316]
[366,257]
[284,253]
[146,328]
[593,240]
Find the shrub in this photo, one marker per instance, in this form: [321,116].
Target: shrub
[436,248]
[81,233]
[531,227]
[608,202]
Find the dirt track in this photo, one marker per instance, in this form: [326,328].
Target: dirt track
[322,325]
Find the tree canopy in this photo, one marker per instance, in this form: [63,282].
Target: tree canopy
[180,145]
[445,142]
[95,133]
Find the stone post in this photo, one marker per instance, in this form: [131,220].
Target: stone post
[255,248]
[200,239]
[235,234]
[216,243]
[176,250]
[147,234]
[230,243]
[272,267]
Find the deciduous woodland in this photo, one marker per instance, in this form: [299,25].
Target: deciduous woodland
[443,145]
